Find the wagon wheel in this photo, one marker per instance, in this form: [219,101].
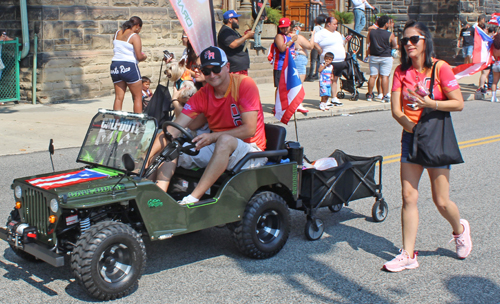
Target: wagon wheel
[354,45]
[314,229]
[380,210]
[335,208]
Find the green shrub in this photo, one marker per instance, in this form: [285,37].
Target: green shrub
[273,15]
[343,17]
[374,17]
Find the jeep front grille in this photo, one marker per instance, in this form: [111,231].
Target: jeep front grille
[36,210]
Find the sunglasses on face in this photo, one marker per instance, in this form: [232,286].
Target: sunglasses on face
[413,39]
[215,69]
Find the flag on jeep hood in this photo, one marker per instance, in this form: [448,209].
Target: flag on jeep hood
[66,179]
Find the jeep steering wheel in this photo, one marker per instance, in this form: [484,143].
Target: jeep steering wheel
[189,138]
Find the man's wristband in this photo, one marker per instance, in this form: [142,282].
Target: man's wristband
[175,99]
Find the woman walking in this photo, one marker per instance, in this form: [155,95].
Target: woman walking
[127,48]
[416,67]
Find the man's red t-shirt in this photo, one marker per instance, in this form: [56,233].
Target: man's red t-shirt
[224,113]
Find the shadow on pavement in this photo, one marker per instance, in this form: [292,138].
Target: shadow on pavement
[473,289]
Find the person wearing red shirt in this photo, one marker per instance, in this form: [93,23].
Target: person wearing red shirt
[231,105]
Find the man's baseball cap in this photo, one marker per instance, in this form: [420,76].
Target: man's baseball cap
[284,22]
[213,55]
[230,14]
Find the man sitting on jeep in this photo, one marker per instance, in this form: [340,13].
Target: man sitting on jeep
[232,108]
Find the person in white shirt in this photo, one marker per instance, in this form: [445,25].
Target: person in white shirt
[359,14]
[329,40]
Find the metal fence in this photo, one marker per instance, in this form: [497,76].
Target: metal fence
[9,64]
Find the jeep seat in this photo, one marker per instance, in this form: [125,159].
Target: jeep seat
[275,150]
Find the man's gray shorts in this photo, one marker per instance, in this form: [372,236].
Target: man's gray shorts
[380,65]
[201,160]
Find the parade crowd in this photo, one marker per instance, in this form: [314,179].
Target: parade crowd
[214,97]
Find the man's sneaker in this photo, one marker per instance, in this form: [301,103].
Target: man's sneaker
[369,97]
[380,96]
[336,102]
[401,262]
[463,241]
[387,98]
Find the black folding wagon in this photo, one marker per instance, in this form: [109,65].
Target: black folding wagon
[354,178]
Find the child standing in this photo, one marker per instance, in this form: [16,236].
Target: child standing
[325,81]
[146,93]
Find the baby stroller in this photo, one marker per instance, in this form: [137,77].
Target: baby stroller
[352,78]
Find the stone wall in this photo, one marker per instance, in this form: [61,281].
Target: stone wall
[75,42]
[442,17]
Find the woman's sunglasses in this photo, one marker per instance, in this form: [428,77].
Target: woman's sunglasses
[216,69]
[413,39]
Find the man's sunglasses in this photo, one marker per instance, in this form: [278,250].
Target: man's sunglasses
[413,39]
[216,69]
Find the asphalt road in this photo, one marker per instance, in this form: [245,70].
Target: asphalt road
[343,266]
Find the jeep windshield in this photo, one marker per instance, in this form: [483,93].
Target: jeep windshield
[111,134]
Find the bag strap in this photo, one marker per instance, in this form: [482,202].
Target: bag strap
[433,77]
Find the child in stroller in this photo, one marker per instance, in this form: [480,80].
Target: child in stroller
[352,78]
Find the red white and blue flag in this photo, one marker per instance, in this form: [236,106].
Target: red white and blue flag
[481,55]
[495,19]
[290,93]
[66,179]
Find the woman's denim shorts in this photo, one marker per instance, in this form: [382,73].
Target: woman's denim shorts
[301,63]
[406,141]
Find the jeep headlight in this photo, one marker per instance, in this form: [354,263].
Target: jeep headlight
[18,192]
[54,205]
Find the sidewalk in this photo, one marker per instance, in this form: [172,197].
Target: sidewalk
[27,128]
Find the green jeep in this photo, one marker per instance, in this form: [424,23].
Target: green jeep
[99,214]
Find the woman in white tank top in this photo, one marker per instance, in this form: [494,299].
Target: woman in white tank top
[127,48]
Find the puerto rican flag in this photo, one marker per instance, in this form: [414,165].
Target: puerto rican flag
[481,56]
[66,179]
[290,93]
[495,19]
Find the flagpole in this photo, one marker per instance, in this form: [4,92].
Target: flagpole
[255,21]
[296,132]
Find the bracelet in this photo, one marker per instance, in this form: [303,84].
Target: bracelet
[436,104]
[175,99]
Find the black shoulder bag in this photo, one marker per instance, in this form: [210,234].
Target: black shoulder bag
[434,140]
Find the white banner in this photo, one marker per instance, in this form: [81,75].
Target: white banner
[197,19]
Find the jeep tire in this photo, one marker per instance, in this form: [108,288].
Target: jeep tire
[265,226]
[108,260]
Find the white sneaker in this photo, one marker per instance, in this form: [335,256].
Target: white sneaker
[386,99]
[336,102]
[380,96]
[323,106]
[188,200]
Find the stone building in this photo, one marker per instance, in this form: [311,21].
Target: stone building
[75,42]
[75,36]
[442,17]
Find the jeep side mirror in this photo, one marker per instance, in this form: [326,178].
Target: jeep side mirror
[128,162]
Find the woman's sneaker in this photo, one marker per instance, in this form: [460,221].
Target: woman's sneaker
[380,96]
[369,97]
[401,262]
[463,241]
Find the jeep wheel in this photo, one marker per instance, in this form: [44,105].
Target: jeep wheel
[14,215]
[265,226]
[108,260]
